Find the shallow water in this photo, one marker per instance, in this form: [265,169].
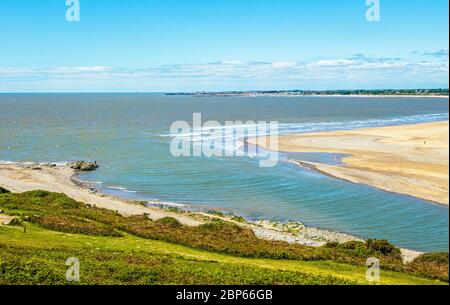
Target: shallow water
[128,134]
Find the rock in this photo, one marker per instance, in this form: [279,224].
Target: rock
[84,166]
[4,191]
[12,222]
[36,168]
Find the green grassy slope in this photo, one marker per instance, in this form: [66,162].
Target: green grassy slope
[128,251]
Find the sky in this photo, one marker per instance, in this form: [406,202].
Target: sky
[214,45]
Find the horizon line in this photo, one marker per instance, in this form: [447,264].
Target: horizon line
[224,91]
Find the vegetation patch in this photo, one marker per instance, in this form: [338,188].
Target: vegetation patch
[434,265]
[170,222]
[22,266]
[58,212]
[370,247]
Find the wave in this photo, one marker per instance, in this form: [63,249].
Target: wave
[6,162]
[348,125]
[288,128]
[119,188]
[228,141]
[58,164]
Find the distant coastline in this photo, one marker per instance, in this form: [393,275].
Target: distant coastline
[441,93]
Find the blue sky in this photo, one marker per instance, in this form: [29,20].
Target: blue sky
[189,45]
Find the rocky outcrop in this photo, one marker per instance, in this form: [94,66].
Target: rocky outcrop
[3,191]
[84,166]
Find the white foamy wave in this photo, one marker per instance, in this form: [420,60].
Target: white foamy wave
[61,163]
[224,132]
[224,136]
[196,133]
[93,182]
[5,162]
[119,188]
[292,128]
[157,203]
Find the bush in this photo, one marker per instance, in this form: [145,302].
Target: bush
[433,265]
[382,246]
[170,221]
[74,225]
[370,247]
[219,226]
[38,193]
[436,257]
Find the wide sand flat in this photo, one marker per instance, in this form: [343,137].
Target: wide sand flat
[408,159]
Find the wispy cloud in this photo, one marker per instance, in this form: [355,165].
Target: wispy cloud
[439,54]
[359,68]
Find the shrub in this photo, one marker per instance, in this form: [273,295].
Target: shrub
[433,265]
[332,244]
[382,246]
[38,193]
[170,221]
[74,225]
[436,257]
[370,247]
[239,219]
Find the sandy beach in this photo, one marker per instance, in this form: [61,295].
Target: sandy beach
[20,178]
[408,159]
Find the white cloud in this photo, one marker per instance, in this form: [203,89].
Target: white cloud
[284,64]
[340,72]
[83,69]
[332,63]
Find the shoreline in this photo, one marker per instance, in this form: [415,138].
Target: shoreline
[417,153]
[313,167]
[27,176]
[21,177]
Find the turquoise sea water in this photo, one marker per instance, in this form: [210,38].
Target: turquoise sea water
[128,134]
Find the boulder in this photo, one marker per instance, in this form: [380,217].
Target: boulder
[84,166]
[4,191]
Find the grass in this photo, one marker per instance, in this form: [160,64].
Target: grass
[37,238]
[58,227]
[47,266]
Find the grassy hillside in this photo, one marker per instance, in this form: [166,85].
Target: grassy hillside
[112,249]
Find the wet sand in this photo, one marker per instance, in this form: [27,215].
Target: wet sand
[408,159]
